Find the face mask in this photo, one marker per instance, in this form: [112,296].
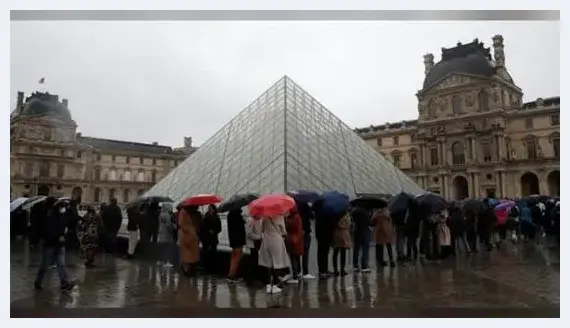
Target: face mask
[62,210]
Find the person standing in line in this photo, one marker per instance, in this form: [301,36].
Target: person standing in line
[165,238]
[209,229]
[236,235]
[153,221]
[362,236]
[253,242]
[415,217]
[189,219]
[324,228]
[88,235]
[112,220]
[383,236]
[273,253]
[341,243]
[306,216]
[133,216]
[458,226]
[294,243]
[53,235]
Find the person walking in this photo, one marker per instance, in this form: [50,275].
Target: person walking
[236,235]
[133,216]
[165,237]
[112,220]
[88,235]
[383,236]
[273,253]
[53,235]
[189,219]
[209,230]
[341,242]
[362,236]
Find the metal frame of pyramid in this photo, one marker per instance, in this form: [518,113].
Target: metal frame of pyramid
[285,140]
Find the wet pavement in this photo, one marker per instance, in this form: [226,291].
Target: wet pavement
[515,277]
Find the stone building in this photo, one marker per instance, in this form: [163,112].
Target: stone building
[474,136]
[49,157]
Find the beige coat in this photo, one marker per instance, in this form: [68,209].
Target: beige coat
[384,233]
[342,237]
[188,240]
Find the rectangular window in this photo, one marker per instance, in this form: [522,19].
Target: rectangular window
[486,150]
[434,158]
[413,160]
[396,158]
[79,154]
[127,159]
[60,170]
[529,123]
[556,147]
[140,160]
[396,140]
[555,120]
[379,142]
[113,158]
[531,150]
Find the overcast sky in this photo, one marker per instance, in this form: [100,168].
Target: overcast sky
[160,81]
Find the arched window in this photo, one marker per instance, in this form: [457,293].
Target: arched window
[97,195]
[483,98]
[457,105]
[432,108]
[112,174]
[127,175]
[458,153]
[126,195]
[140,176]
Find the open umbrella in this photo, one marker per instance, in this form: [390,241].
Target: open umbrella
[16,203]
[149,199]
[506,205]
[492,202]
[201,199]
[270,206]
[400,203]
[432,202]
[369,202]
[304,196]
[237,201]
[32,201]
[472,205]
[332,203]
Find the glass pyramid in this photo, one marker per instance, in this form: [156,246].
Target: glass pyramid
[285,140]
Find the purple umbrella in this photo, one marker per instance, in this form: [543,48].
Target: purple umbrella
[506,204]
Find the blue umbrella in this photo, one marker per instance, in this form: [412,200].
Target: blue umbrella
[304,196]
[492,202]
[332,203]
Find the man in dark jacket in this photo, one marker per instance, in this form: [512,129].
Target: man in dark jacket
[362,235]
[112,220]
[210,228]
[53,235]
[485,224]
[153,221]
[306,216]
[324,228]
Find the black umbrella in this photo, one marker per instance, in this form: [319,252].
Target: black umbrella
[370,202]
[432,202]
[236,202]
[150,199]
[472,205]
[400,203]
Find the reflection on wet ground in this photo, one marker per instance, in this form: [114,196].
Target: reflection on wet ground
[512,277]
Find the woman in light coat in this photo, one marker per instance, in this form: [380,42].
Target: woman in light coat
[273,253]
[341,242]
[384,235]
[166,230]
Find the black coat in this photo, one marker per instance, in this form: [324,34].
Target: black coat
[112,219]
[210,227]
[133,217]
[236,229]
[458,225]
[53,231]
[361,219]
[307,215]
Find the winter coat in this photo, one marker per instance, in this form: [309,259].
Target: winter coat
[361,219]
[324,227]
[188,236]
[342,237]
[307,216]
[53,232]
[133,219]
[112,219]
[457,221]
[384,233]
[210,228]
[273,253]
[294,227]
[88,232]
[166,227]
[236,229]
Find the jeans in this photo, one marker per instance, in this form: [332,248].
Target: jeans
[380,254]
[361,243]
[306,249]
[50,256]
[412,244]
[336,252]
[460,239]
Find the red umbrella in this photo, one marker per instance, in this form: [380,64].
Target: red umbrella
[202,199]
[271,205]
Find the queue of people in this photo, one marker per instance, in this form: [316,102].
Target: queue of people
[279,245]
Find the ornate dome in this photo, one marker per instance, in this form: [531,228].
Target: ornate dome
[472,58]
[45,104]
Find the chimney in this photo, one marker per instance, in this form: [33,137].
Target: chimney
[498,49]
[188,142]
[64,102]
[20,100]
[428,63]
[155,143]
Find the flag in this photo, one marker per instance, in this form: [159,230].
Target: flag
[42,80]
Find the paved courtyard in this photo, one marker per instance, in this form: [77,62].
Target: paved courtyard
[521,277]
